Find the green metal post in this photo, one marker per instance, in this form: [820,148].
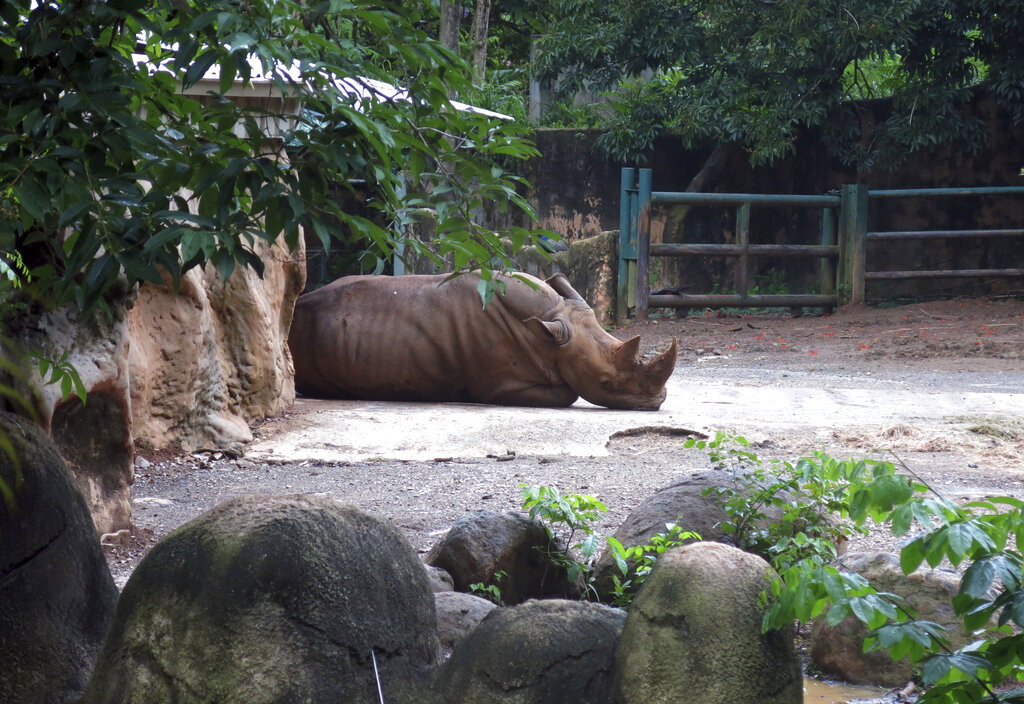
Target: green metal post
[827,284]
[642,218]
[743,241]
[854,240]
[627,244]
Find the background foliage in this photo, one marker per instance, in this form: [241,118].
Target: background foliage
[757,74]
[108,168]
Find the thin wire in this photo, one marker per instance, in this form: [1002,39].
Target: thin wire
[380,692]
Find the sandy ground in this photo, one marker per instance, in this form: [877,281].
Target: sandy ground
[938,387]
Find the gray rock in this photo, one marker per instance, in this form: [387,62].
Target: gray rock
[458,614]
[839,650]
[482,543]
[681,501]
[272,599]
[541,652]
[440,580]
[693,634]
[57,597]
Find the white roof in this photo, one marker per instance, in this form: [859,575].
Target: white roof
[360,86]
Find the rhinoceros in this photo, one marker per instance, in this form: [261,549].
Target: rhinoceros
[428,338]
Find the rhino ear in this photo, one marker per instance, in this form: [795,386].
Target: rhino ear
[625,354]
[555,331]
[563,288]
[661,367]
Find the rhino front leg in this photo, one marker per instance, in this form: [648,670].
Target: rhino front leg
[539,395]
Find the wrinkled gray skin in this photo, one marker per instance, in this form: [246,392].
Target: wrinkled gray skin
[425,338]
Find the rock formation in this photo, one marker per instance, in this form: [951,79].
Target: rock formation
[483,543]
[839,650]
[209,360]
[540,652]
[164,370]
[56,594]
[458,615]
[681,502]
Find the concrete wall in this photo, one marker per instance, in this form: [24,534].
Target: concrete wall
[575,191]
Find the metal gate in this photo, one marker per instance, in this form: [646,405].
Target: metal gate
[863,235]
[635,248]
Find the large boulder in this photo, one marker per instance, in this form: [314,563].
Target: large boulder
[839,650]
[540,652]
[57,597]
[693,634]
[272,599]
[483,543]
[682,502]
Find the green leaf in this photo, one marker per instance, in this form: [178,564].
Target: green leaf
[32,198]
[936,668]
[70,214]
[485,288]
[862,609]
[199,67]
[1016,610]
[590,545]
[618,552]
[977,578]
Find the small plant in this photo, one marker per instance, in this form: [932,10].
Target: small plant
[982,536]
[13,268]
[491,592]
[576,512]
[643,558]
[60,371]
[780,510]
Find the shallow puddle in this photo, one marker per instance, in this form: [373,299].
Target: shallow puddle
[818,692]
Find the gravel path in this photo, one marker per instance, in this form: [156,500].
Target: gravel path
[850,360]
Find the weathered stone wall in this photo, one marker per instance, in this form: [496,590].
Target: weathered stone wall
[94,438]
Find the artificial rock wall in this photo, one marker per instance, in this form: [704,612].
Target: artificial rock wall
[210,359]
[187,370]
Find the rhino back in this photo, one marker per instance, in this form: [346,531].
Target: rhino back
[413,338]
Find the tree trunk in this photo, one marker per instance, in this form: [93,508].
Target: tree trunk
[712,168]
[481,20]
[451,16]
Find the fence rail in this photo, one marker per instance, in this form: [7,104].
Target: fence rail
[966,234]
[634,240]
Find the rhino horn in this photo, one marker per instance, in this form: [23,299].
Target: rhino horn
[626,353]
[660,368]
[562,287]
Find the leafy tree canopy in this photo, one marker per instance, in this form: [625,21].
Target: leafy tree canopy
[758,73]
[118,154]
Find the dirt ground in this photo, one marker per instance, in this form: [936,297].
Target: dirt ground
[974,334]
[973,345]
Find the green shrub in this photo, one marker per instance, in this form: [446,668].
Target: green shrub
[981,536]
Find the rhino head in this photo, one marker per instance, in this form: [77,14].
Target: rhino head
[599,367]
